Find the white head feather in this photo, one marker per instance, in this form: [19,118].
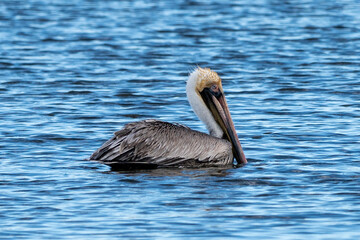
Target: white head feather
[196,82]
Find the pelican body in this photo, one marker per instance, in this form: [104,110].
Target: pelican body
[154,143]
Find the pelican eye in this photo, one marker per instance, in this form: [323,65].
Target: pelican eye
[215,90]
[214,87]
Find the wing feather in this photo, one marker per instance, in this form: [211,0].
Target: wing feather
[163,144]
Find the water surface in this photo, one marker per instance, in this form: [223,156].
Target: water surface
[73,72]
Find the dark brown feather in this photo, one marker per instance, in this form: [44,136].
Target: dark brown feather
[161,143]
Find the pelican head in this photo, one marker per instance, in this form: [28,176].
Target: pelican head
[206,97]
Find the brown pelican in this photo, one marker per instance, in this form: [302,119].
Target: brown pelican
[153,143]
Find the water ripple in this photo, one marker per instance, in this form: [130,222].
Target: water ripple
[74,72]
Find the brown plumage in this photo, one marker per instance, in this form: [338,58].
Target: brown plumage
[159,143]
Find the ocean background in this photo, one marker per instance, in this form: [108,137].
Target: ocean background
[74,72]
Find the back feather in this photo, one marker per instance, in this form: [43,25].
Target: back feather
[160,143]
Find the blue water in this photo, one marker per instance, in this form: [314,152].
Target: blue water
[74,72]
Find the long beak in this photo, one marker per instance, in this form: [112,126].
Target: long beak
[216,103]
